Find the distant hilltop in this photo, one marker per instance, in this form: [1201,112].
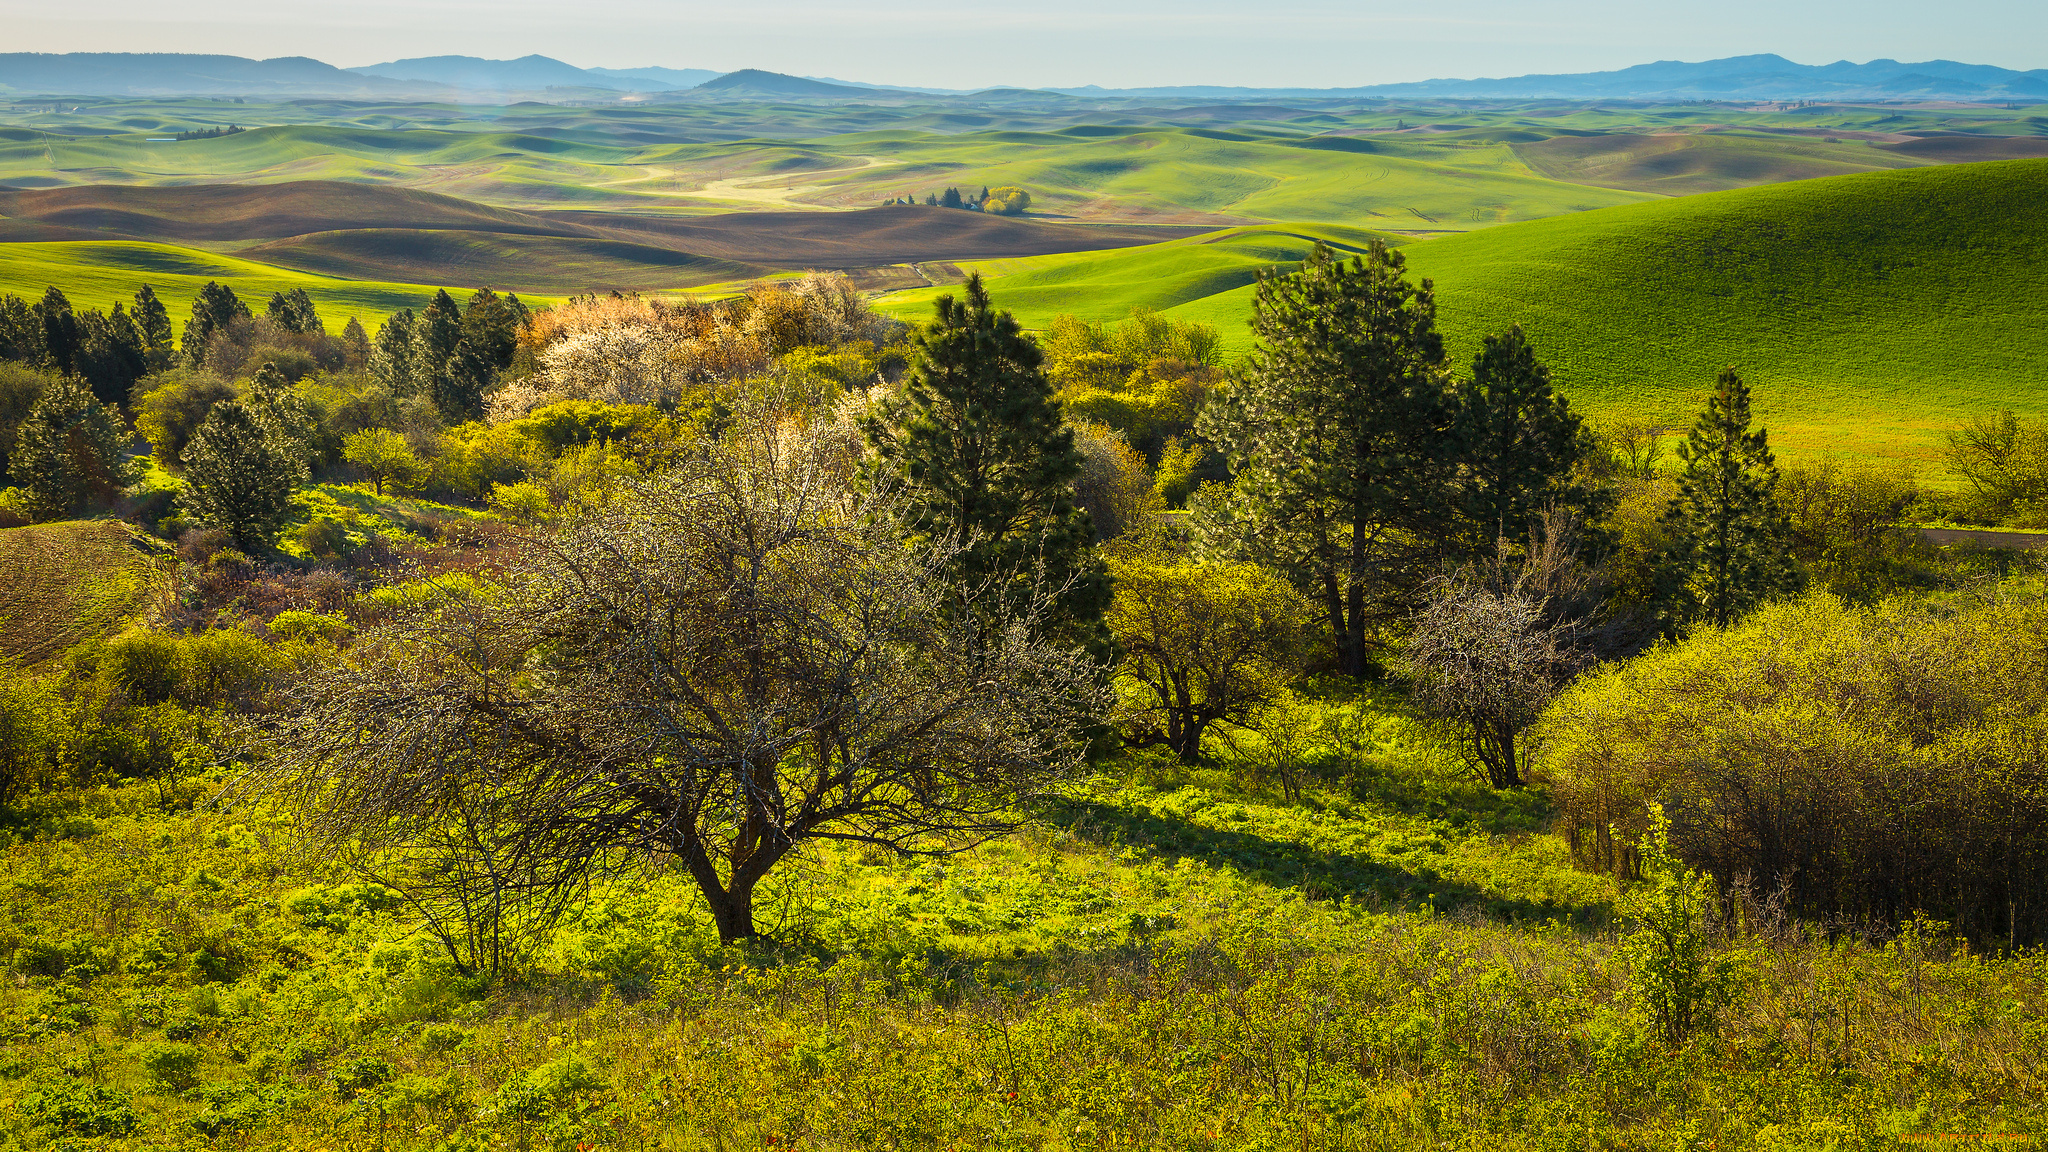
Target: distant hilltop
[1737,78]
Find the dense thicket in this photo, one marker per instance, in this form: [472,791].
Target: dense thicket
[1874,763]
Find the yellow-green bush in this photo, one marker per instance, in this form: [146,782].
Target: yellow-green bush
[1876,763]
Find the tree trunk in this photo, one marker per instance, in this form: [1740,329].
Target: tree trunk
[733,912]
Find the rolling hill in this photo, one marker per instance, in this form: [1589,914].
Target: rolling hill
[203,212]
[551,265]
[70,581]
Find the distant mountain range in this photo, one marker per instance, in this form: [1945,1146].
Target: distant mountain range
[1738,78]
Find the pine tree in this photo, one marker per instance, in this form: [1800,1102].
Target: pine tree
[355,345]
[68,452]
[60,331]
[154,322]
[490,336]
[293,311]
[213,310]
[979,444]
[240,475]
[391,359]
[434,337]
[1520,443]
[110,354]
[1341,443]
[1736,548]
[21,331]
[286,416]
[950,198]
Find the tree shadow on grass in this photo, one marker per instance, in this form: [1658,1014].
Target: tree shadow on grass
[1316,874]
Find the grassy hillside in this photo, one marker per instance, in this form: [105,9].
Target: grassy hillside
[96,273]
[1178,274]
[70,581]
[1870,312]
[1680,164]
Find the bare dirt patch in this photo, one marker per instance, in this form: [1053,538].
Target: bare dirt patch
[64,583]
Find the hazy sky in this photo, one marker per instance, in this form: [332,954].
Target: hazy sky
[1115,43]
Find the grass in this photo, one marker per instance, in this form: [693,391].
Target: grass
[70,581]
[1106,285]
[1168,960]
[1869,312]
[96,273]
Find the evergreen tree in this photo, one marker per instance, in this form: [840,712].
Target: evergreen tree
[240,475]
[110,354]
[68,452]
[391,359]
[293,311]
[21,331]
[434,337]
[285,414]
[978,442]
[1736,547]
[950,198]
[931,200]
[355,345]
[61,336]
[1520,443]
[490,336]
[153,321]
[1341,443]
[213,310]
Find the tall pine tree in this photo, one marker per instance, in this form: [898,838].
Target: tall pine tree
[67,454]
[391,358]
[61,336]
[1341,444]
[239,475]
[1520,442]
[293,311]
[1735,549]
[978,442]
[153,320]
[213,310]
[434,337]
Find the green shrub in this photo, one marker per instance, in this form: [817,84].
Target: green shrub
[1678,982]
[74,1108]
[309,627]
[172,1067]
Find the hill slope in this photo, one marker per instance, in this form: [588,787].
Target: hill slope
[1869,311]
[67,582]
[555,265]
[248,212]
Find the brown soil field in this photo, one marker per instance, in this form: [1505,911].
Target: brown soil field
[1963,149]
[67,582]
[248,212]
[865,238]
[548,265]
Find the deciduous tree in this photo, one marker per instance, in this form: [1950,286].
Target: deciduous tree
[720,668]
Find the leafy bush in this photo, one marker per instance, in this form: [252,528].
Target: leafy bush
[172,1067]
[1677,982]
[73,1108]
[1872,761]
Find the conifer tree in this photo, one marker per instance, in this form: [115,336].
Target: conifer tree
[213,310]
[240,475]
[1735,550]
[490,336]
[293,311]
[110,353]
[979,444]
[60,331]
[153,321]
[68,452]
[391,359]
[285,414]
[950,198]
[434,336]
[355,345]
[1520,442]
[21,331]
[1341,444]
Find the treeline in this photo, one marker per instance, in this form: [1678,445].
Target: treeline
[1003,201]
[210,133]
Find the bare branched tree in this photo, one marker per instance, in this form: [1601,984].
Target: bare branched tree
[719,668]
[1488,651]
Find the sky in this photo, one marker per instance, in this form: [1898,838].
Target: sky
[1059,43]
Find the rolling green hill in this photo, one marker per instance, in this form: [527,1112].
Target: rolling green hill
[1105,286]
[1870,312]
[554,265]
[96,273]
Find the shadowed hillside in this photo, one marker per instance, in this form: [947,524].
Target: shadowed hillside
[248,212]
[556,265]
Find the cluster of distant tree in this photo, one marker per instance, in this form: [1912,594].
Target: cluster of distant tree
[210,133]
[1003,201]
